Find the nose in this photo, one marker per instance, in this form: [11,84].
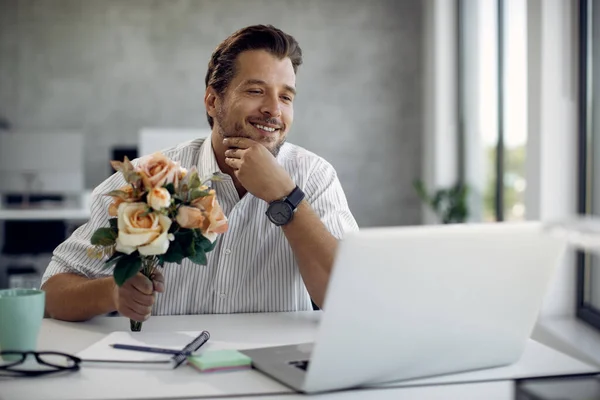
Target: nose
[271,107]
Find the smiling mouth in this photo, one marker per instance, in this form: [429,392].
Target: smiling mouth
[265,130]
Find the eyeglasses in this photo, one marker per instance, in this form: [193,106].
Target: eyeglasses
[37,363]
[34,363]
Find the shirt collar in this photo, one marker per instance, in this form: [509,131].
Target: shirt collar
[207,162]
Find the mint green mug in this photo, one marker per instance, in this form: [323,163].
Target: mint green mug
[21,314]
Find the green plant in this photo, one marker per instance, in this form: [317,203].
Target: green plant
[449,204]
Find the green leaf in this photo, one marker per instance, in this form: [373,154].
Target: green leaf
[174,227]
[421,191]
[132,177]
[210,246]
[185,238]
[114,224]
[194,181]
[126,267]
[118,193]
[438,198]
[170,188]
[199,257]
[203,243]
[113,259]
[103,237]
[197,193]
[201,246]
[122,166]
[177,200]
[214,177]
[174,254]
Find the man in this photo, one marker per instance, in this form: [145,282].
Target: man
[277,254]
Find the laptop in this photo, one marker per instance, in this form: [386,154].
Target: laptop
[421,301]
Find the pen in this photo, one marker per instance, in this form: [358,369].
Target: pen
[179,356]
[147,349]
[194,345]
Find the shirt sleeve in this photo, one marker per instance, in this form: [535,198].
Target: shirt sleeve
[71,256]
[325,195]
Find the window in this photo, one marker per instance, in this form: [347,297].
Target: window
[588,281]
[493,105]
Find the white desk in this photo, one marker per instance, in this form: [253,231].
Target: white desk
[45,214]
[76,208]
[503,390]
[245,331]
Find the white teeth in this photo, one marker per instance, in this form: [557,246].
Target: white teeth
[265,128]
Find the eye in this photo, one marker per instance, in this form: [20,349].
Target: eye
[287,99]
[254,91]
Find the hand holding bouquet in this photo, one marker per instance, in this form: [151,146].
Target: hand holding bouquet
[164,214]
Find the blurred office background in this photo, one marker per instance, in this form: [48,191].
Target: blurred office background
[491,94]
[115,70]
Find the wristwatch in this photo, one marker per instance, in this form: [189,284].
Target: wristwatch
[281,212]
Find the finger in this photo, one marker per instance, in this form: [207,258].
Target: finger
[234,153]
[234,163]
[133,296]
[144,307]
[239,142]
[141,283]
[158,281]
[132,313]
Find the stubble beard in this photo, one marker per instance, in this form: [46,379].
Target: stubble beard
[237,130]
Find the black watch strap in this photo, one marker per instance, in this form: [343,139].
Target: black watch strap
[295,197]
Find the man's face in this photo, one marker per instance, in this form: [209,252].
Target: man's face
[258,103]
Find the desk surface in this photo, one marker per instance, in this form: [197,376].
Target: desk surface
[502,390]
[246,331]
[44,214]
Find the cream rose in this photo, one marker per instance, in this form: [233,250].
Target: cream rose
[159,198]
[182,172]
[146,233]
[157,170]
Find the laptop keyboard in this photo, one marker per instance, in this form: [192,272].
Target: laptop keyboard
[302,364]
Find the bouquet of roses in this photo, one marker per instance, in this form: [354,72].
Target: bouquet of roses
[164,214]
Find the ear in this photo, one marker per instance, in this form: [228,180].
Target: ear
[211,101]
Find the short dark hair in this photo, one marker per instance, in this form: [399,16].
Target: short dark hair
[221,67]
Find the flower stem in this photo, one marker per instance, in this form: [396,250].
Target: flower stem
[135,326]
[148,266]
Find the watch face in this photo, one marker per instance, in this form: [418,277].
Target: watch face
[280,213]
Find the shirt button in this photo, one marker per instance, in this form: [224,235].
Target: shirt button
[228,251]
[222,295]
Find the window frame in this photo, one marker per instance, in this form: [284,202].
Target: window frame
[584,311]
[499,166]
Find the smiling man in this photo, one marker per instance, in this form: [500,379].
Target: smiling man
[285,205]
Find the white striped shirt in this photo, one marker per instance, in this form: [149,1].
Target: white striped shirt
[252,268]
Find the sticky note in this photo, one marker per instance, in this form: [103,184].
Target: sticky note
[218,360]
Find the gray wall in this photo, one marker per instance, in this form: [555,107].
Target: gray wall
[111,67]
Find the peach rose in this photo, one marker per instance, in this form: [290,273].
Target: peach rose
[191,218]
[159,198]
[216,222]
[205,214]
[157,171]
[142,231]
[117,200]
